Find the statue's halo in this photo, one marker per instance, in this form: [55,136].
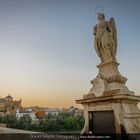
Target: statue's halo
[99,9]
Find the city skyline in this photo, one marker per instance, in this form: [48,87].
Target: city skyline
[47,56]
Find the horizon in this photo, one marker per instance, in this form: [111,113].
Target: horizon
[47,55]
[36,104]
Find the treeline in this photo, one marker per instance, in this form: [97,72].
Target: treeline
[63,122]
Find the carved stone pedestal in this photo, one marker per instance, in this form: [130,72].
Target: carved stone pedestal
[124,107]
[110,107]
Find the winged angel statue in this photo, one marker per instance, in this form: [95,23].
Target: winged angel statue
[105,41]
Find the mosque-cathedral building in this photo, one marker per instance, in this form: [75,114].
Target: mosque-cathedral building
[8,106]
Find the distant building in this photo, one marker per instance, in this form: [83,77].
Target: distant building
[2,103]
[74,110]
[34,108]
[8,106]
[21,113]
[53,111]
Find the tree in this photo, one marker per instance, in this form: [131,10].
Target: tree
[25,122]
[63,122]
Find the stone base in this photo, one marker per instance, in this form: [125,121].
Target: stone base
[124,106]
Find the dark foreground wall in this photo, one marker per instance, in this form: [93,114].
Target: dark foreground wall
[54,136]
[16,134]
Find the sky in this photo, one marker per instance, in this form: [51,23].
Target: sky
[47,56]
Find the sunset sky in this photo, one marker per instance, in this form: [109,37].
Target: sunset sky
[46,48]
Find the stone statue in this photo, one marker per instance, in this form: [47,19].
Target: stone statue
[105,41]
[109,96]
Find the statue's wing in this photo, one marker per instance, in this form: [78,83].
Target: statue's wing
[113,25]
[95,41]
